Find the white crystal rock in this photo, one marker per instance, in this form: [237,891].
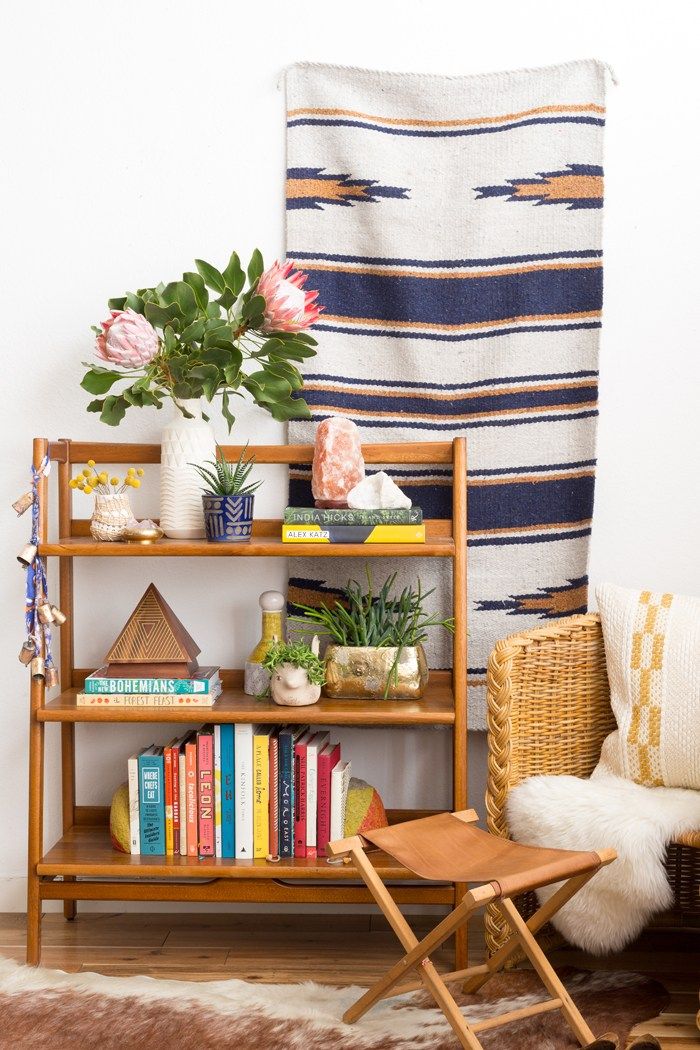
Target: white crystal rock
[376,492]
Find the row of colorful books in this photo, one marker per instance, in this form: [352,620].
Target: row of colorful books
[243,791]
[106,690]
[319,525]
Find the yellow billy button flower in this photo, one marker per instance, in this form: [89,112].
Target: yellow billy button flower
[103,477]
[135,483]
[140,472]
[91,462]
[87,490]
[114,481]
[73,483]
[80,482]
[87,472]
[131,472]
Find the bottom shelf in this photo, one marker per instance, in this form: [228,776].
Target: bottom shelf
[88,851]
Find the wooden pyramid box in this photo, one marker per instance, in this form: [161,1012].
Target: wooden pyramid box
[153,643]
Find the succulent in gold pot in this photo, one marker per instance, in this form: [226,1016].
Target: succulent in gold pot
[375,647]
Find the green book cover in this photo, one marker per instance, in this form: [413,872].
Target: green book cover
[205,680]
[333,516]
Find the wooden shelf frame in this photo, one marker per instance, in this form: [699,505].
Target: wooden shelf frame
[82,865]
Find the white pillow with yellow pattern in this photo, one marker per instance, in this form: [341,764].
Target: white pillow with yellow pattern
[652,650]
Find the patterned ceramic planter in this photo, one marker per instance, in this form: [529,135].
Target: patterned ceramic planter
[111,517]
[361,673]
[228,519]
[184,442]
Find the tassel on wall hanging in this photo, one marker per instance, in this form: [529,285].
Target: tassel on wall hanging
[39,614]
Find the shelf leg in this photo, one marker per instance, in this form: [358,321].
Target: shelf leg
[459,660]
[65,583]
[35,840]
[36,836]
[70,908]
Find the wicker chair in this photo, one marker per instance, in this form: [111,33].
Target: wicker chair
[549,712]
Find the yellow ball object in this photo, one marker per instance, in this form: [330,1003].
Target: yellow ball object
[87,472]
[103,477]
[87,489]
[365,809]
[136,484]
[80,482]
[73,484]
[119,820]
[114,481]
[140,472]
[131,472]
[91,462]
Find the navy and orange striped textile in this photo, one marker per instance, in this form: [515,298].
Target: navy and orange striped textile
[453,228]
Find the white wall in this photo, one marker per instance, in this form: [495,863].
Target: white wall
[137,136]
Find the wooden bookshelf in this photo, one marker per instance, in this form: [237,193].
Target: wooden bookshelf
[82,865]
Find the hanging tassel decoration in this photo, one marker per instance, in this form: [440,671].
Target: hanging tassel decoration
[39,614]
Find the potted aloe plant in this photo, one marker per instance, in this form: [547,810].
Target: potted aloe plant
[228,499]
[375,649]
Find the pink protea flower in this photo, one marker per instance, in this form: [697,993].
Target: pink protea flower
[288,308]
[127,339]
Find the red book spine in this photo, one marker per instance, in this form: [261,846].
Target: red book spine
[274,846]
[300,799]
[326,762]
[205,779]
[168,789]
[191,799]
[176,799]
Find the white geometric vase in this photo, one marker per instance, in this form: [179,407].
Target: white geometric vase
[184,441]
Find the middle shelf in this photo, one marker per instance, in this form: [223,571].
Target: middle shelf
[436,708]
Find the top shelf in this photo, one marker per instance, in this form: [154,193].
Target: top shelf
[256,547]
[74,534]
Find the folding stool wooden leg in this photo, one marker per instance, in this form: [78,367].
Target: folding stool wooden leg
[545,971]
[544,913]
[426,970]
[430,943]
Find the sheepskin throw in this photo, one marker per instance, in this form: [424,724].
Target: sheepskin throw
[652,650]
[638,822]
[49,1010]
[453,228]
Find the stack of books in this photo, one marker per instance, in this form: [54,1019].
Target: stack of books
[103,689]
[316,525]
[241,791]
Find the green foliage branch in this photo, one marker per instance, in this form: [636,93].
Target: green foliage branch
[211,346]
[362,618]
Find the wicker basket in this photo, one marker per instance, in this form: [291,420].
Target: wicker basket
[549,712]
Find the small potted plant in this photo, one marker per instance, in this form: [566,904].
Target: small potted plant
[112,514]
[375,649]
[296,673]
[228,499]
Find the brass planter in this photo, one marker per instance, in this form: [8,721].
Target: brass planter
[361,673]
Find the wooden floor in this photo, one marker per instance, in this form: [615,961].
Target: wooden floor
[333,949]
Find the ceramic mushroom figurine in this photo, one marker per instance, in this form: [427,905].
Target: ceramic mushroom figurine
[296,673]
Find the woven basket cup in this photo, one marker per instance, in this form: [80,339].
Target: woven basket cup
[111,516]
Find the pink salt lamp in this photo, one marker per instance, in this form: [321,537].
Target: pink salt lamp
[338,464]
